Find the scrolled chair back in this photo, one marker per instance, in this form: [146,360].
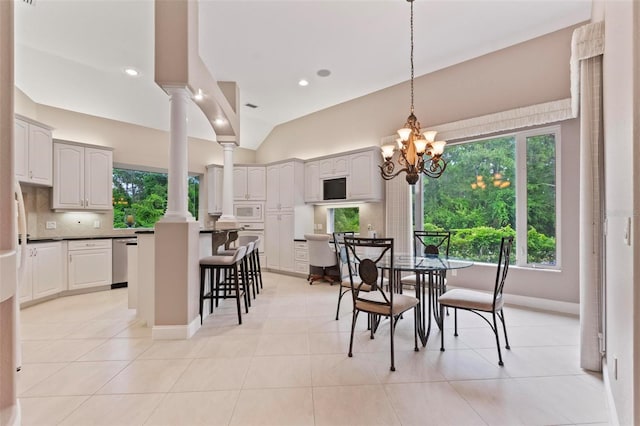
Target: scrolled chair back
[367,259]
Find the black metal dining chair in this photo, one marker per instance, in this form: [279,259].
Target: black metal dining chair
[480,302]
[341,258]
[370,257]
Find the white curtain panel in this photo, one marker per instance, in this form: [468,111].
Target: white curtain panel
[398,214]
[587,50]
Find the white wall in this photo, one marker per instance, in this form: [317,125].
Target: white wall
[621,133]
[526,74]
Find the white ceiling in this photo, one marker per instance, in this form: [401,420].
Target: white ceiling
[70,53]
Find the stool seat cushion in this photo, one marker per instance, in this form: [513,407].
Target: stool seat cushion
[218,260]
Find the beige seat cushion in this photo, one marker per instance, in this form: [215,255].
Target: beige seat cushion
[373,302]
[469,299]
[218,260]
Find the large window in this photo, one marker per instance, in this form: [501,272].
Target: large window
[495,187]
[140,197]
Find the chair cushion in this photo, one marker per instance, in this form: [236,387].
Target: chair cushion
[218,260]
[470,299]
[373,302]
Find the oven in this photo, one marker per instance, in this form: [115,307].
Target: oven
[249,212]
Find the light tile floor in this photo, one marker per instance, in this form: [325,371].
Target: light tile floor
[86,360]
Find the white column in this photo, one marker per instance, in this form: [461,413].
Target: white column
[227,219]
[177,208]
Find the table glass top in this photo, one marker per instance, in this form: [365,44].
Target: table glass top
[431,263]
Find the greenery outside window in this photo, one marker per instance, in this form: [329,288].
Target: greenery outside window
[140,197]
[504,185]
[343,219]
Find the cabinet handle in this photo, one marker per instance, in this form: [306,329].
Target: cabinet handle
[35,252]
[70,258]
[86,203]
[30,174]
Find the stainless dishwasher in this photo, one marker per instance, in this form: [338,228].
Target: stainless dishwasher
[119,261]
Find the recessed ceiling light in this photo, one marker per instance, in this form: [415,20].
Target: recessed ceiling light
[303,82]
[132,72]
[220,121]
[324,73]
[199,95]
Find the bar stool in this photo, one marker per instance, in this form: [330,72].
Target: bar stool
[247,274]
[230,266]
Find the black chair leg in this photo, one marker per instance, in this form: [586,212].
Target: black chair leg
[392,329]
[442,337]
[495,331]
[455,322]
[353,328]
[203,271]
[504,327]
[237,285]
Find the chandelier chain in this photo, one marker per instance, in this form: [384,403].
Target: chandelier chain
[411,1]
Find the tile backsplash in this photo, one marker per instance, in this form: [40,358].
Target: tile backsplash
[37,202]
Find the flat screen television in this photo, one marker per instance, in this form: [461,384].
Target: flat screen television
[334,189]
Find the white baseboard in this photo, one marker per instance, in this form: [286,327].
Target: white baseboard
[539,303]
[542,304]
[613,414]
[175,332]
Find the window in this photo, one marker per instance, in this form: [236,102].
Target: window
[505,185]
[343,219]
[140,197]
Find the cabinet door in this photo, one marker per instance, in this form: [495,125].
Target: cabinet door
[68,178]
[271,241]
[286,247]
[240,183]
[360,184]
[21,154]
[40,155]
[89,268]
[326,167]
[273,189]
[98,175]
[341,166]
[25,290]
[286,186]
[47,269]
[256,186]
[312,182]
[219,182]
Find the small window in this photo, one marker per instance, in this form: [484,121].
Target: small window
[140,197]
[343,219]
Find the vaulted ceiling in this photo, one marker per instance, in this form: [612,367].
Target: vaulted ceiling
[71,54]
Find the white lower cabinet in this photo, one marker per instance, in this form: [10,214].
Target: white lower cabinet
[89,263]
[279,234]
[301,257]
[44,272]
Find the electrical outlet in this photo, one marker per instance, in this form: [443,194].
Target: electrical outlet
[454,273]
[615,368]
[96,224]
[51,224]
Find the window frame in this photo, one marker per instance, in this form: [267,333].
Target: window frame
[520,192]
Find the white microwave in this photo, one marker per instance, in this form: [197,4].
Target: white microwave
[249,212]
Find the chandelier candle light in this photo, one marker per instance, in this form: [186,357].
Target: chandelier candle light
[418,152]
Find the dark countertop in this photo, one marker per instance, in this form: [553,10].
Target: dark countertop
[84,237]
[202,231]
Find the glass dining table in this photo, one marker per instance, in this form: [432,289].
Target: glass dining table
[430,283]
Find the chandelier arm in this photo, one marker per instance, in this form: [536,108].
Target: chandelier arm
[436,168]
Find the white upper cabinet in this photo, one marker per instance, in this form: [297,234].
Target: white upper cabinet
[334,166]
[312,189]
[33,153]
[249,183]
[215,176]
[82,177]
[366,182]
[285,188]
[360,168]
